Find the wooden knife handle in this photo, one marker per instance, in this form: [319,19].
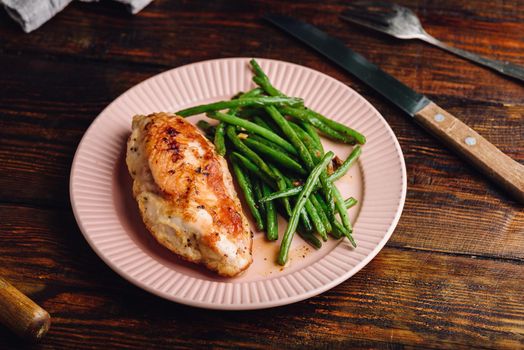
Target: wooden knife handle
[21,314]
[505,171]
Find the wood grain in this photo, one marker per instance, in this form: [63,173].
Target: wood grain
[403,297]
[214,25]
[450,277]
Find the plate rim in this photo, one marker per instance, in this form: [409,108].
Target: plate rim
[241,306]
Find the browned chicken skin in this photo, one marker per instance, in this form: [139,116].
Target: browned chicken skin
[185,194]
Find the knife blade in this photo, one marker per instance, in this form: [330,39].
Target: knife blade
[399,94]
[503,170]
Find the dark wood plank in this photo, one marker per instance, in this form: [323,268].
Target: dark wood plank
[166,33]
[45,111]
[402,298]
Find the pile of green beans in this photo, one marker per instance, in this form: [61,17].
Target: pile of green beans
[272,142]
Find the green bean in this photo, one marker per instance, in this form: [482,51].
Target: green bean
[273,145]
[308,142]
[341,208]
[254,128]
[281,185]
[243,102]
[315,218]
[339,230]
[332,178]
[314,214]
[241,147]
[352,133]
[204,125]
[306,234]
[268,124]
[262,80]
[311,132]
[296,190]
[303,152]
[317,198]
[329,127]
[306,221]
[305,155]
[207,128]
[301,201]
[327,186]
[328,189]
[307,218]
[317,151]
[311,212]
[256,92]
[257,190]
[266,85]
[250,112]
[336,232]
[219,140]
[259,121]
[302,115]
[271,217]
[274,156]
[284,193]
[253,168]
[342,170]
[310,238]
[245,186]
[321,212]
[350,202]
[302,224]
[326,125]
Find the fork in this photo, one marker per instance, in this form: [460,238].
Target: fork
[403,23]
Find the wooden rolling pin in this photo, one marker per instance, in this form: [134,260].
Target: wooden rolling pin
[22,315]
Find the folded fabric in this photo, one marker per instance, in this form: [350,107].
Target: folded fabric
[31,14]
[134,6]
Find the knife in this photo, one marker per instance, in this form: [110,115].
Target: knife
[499,167]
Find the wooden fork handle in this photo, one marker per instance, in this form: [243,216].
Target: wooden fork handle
[503,170]
[22,315]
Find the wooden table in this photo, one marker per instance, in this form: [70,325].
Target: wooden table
[451,276]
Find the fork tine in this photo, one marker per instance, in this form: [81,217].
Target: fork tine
[388,18]
[374,26]
[371,18]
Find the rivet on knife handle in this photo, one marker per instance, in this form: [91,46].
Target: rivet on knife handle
[505,171]
[22,315]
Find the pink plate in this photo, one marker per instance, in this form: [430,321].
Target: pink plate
[108,217]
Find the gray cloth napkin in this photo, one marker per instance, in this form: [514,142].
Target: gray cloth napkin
[134,6]
[31,14]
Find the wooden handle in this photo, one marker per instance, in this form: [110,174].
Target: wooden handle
[21,314]
[505,171]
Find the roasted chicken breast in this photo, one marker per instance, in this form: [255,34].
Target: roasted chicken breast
[185,194]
